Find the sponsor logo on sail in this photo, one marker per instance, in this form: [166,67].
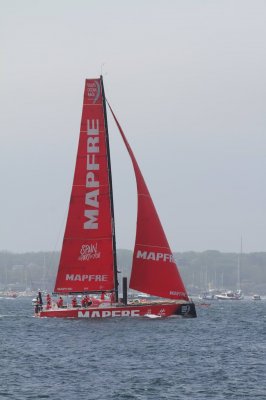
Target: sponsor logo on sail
[89,252]
[155,256]
[93,91]
[91,211]
[86,278]
[175,293]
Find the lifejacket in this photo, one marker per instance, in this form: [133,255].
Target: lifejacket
[74,302]
[48,299]
[112,297]
[60,303]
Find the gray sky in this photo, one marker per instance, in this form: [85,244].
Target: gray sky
[187,82]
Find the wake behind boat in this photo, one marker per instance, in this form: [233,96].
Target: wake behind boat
[88,262]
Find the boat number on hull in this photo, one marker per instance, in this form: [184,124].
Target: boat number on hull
[185,309]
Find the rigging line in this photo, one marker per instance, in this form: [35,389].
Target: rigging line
[134,161]
[52,256]
[102,66]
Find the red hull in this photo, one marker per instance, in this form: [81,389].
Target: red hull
[163,309]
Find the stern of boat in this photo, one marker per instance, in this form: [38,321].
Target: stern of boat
[187,310]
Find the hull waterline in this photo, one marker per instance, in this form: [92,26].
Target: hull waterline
[164,309]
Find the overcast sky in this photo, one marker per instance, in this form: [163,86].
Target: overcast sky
[187,82]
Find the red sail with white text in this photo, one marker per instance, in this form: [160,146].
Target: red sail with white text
[154,270]
[87,262]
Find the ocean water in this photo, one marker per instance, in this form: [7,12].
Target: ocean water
[219,355]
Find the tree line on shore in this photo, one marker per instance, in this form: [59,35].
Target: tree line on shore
[201,271]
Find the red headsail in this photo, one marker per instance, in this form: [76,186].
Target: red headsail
[87,261]
[154,270]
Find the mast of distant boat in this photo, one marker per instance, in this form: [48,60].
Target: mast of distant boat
[239,266]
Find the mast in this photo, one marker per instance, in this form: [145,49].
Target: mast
[111,191]
[239,266]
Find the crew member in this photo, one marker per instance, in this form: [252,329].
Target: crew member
[112,297]
[83,302]
[37,305]
[88,301]
[60,302]
[48,302]
[39,296]
[74,301]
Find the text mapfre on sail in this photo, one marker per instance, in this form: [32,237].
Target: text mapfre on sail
[91,211]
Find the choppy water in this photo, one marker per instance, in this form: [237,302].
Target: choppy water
[219,355]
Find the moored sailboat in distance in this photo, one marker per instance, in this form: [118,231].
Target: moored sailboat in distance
[237,294]
[88,262]
[10,294]
[230,295]
[256,297]
[210,295]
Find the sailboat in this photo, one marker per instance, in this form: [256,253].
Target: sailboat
[88,262]
[230,294]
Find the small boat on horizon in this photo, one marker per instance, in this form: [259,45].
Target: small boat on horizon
[256,297]
[9,294]
[210,295]
[230,295]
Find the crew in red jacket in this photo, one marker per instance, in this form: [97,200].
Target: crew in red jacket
[87,301]
[60,302]
[48,301]
[74,301]
[112,297]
